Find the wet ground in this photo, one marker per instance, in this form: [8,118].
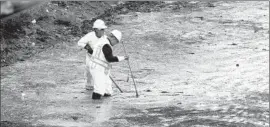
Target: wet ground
[206,66]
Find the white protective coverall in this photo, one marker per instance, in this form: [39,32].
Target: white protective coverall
[100,69]
[92,40]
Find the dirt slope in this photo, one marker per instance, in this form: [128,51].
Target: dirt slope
[54,22]
[201,65]
[42,26]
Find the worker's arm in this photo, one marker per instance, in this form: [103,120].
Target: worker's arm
[84,42]
[107,50]
[87,39]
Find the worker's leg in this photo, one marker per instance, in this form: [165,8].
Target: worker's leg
[89,85]
[99,84]
[89,79]
[108,90]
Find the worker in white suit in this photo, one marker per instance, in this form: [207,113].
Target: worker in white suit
[88,42]
[100,64]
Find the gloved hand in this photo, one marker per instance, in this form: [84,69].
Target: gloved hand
[126,58]
[121,58]
[88,48]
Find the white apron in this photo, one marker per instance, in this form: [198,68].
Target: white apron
[100,69]
[92,41]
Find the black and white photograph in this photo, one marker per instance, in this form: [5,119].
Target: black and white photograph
[134,63]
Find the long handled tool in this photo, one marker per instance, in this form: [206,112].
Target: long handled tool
[137,95]
[116,84]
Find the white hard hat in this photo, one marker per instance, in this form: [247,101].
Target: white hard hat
[117,34]
[100,24]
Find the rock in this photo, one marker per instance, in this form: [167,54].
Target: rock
[98,107]
[200,17]
[20,58]
[58,35]
[74,117]
[237,65]
[166,125]
[148,90]
[42,47]
[211,5]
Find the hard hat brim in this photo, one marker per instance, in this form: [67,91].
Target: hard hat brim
[100,27]
[117,34]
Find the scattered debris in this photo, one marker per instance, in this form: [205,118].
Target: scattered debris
[22,95]
[210,5]
[63,21]
[200,17]
[98,107]
[256,28]
[166,125]
[20,58]
[34,21]
[164,92]
[127,78]
[233,44]
[179,92]
[175,94]
[210,33]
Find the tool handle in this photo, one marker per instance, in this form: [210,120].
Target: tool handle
[116,84]
[137,95]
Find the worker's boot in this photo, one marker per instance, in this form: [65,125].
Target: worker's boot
[107,95]
[96,96]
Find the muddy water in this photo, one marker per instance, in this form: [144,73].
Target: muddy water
[202,67]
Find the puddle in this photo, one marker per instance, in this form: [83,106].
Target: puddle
[183,117]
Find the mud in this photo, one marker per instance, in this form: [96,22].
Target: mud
[185,71]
